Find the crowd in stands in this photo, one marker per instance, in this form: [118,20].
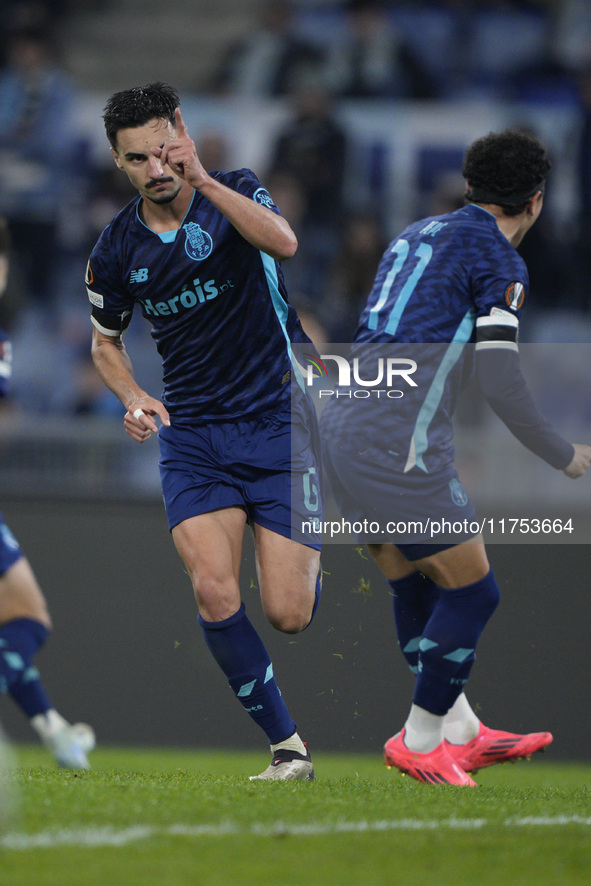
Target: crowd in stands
[413,49]
[313,56]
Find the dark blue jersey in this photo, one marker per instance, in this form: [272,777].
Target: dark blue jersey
[445,282]
[440,276]
[217,305]
[5,364]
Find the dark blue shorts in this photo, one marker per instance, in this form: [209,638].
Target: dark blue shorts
[10,550]
[269,466]
[420,513]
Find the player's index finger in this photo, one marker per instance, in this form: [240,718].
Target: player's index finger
[181,128]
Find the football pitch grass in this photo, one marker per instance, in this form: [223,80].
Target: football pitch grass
[192,818]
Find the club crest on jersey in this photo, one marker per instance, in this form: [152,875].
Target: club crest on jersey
[514,295]
[198,244]
[459,496]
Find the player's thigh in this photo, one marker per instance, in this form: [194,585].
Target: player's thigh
[456,566]
[287,572]
[210,546]
[21,596]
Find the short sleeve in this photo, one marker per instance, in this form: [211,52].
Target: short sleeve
[245,182]
[500,285]
[112,305]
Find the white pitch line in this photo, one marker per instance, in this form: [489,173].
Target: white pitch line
[105,836]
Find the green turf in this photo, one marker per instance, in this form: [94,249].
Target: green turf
[182,818]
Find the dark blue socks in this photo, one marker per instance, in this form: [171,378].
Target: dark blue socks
[241,655]
[20,639]
[413,599]
[444,645]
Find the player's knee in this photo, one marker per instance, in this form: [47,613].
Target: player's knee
[217,599]
[288,624]
[297,615]
[31,610]
[43,628]
[288,621]
[41,614]
[45,618]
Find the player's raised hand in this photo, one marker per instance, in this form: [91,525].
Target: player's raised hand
[180,125]
[139,421]
[180,154]
[581,461]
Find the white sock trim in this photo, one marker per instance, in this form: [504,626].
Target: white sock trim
[461,723]
[47,725]
[293,743]
[423,731]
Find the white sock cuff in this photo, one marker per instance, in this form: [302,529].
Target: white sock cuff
[461,723]
[423,731]
[293,743]
[48,724]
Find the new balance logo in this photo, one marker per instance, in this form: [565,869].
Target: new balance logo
[139,276]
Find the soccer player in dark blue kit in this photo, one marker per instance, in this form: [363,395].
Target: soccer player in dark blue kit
[25,623]
[453,286]
[199,255]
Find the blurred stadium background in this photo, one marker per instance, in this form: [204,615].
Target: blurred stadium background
[352,147]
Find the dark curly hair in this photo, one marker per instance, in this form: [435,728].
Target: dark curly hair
[505,168]
[137,106]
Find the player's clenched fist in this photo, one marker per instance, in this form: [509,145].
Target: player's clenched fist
[140,421]
[581,461]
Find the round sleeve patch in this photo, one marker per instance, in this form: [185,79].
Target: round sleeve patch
[515,295]
[262,196]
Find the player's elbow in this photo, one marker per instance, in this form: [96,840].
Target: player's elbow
[292,245]
[101,348]
[95,347]
[288,246]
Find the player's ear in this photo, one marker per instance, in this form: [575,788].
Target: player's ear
[534,203]
[116,158]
